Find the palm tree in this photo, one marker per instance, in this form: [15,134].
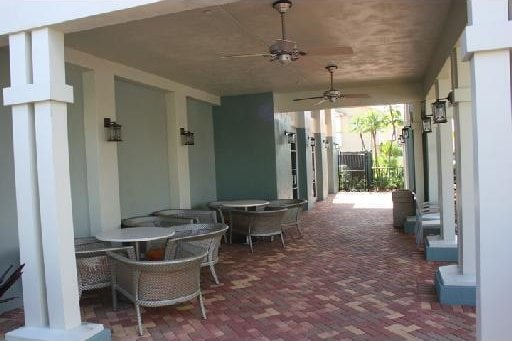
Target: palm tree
[358,126]
[394,118]
[374,121]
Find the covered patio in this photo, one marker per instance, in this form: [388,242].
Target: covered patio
[352,277]
[118,109]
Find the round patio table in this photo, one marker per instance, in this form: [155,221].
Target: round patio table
[245,204]
[136,235]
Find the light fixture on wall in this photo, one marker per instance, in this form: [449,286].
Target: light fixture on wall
[439,108]
[113,130]
[427,125]
[405,132]
[401,139]
[291,138]
[326,143]
[312,141]
[187,138]
[336,145]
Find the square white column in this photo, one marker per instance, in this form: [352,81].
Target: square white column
[179,169]
[39,97]
[444,139]
[486,43]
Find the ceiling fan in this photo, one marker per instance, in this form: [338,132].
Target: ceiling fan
[332,94]
[286,51]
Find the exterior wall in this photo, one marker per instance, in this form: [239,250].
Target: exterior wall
[142,156]
[9,250]
[245,147]
[203,187]
[77,159]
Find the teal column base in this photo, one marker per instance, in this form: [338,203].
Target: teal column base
[441,253]
[453,288]
[410,224]
[104,335]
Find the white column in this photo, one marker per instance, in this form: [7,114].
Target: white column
[444,136]
[433,187]
[331,153]
[27,198]
[50,225]
[101,155]
[418,152]
[54,183]
[464,163]
[487,43]
[179,173]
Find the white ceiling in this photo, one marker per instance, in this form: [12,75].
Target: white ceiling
[392,40]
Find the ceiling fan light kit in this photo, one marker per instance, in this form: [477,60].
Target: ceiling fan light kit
[332,94]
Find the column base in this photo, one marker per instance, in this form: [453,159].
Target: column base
[437,249]
[410,223]
[455,288]
[84,332]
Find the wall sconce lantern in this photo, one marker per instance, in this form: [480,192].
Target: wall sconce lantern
[187,138]
[401,139]
[312,142]
[439,108]
[405,133]
[113,130]
[427,125]
[326,143]
[290,137]
[336,145]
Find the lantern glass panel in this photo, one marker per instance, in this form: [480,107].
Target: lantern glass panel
[439,110]
[427,125]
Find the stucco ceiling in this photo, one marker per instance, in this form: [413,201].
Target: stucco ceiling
[392,40]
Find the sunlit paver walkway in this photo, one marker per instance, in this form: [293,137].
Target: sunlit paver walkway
[352,277]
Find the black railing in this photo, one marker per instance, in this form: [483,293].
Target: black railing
[380,179]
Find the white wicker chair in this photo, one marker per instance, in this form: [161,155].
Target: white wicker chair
[156,284]
[293,215]
[207,236]
[257,224]
[92,265]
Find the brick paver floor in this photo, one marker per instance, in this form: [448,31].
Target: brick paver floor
[352,277]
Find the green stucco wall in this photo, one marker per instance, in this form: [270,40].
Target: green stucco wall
[77,160]
[201,156]
[9,249]
[245,159]
[142,156]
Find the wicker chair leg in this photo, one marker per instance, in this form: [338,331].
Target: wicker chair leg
[249,239]
[299,231]
[201,305]
[139,319]
[114,298]
[230,236]
[214,274]
[282,238]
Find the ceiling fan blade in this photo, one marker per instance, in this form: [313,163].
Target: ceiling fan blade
[330,51]
[355,96]
[318,103]
[307,98]
[247,55]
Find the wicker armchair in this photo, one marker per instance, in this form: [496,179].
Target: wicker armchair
[199,216]
[293,215]
[159,221]
[207,236]
[257,224]
[156,284]
[93,269]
